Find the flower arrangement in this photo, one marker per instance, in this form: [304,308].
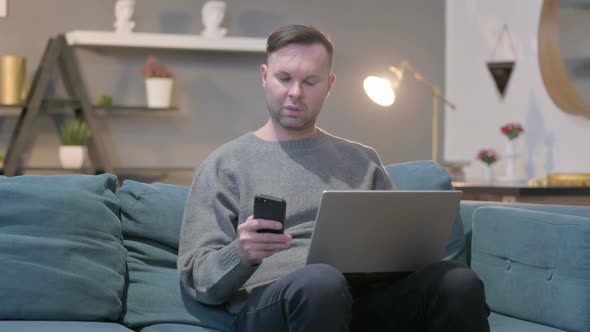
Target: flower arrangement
[152,68]
[512,130]
[488,156]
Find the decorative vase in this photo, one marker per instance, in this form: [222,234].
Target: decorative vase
[158,91]
[12,79]
[487,174]
[511,158]
[72,156]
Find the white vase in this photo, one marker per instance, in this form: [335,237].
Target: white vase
[487,174]
[510,158]
[158,91]
[72,156]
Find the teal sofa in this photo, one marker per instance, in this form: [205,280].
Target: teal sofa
[78,253]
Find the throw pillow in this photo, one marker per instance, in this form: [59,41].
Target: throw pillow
[61,248]
[428,175]
[152,217]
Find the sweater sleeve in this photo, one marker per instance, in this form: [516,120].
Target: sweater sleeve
[208,262]
[381,180]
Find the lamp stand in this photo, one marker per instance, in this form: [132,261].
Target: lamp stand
[437,95]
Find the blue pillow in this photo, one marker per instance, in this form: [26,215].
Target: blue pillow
[152,216]
[535,265]
[61,248]
[428,175]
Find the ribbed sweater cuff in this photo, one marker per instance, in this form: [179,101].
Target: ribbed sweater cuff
[230,260]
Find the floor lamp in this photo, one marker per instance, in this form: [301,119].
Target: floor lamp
[382,92]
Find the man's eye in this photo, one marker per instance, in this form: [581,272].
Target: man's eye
[310,83]
[284,79]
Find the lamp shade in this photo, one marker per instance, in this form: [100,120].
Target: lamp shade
[380,90]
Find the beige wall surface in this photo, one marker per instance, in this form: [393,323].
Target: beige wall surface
[553,140]
[219,94]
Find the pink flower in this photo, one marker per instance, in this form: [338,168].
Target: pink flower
[488,156]
[512,130]
[153,69]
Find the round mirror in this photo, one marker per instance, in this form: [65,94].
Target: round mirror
[564,58]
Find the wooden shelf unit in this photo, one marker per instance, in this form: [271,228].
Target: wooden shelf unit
[165,41]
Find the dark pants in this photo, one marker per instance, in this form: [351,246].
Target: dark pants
[444,296]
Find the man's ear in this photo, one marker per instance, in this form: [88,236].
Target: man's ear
[264,73]
[331,82]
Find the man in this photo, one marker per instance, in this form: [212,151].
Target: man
[262,277]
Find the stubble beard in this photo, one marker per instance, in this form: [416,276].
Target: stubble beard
[292,124]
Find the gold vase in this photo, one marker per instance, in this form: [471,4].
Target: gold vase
[12,79]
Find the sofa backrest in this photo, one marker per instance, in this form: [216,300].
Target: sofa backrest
[468,209]
[61,248]
[151,216]
[428,175]
[535,265]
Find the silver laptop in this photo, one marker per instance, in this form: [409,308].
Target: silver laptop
[382,231]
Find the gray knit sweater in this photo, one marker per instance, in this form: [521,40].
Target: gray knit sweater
[222,196]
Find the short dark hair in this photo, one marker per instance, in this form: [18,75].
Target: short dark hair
[298,34]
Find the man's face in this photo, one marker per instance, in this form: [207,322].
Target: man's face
[296,81]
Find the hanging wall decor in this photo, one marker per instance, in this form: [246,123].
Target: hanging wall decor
[501,71]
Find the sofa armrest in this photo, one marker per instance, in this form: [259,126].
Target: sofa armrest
[535,265]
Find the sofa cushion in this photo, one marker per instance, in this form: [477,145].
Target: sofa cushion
[535,265]
[61,248]
[61,326]
[508,324]
[428,175]
[152,215]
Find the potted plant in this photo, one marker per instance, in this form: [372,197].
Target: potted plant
[158,83]
[75,135]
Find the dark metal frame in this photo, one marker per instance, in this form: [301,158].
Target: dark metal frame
[57,53]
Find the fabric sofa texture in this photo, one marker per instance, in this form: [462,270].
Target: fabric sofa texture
[154,292]
[61,248]
[79,254]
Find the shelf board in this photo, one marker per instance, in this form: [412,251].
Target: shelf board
[57,105]
[10,110]
[165,41]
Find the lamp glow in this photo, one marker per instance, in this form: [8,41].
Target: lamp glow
[382,92]
[379,90]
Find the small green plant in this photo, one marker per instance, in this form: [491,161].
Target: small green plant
[104,100]
[75,132]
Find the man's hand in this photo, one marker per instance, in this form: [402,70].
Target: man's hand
[254,246]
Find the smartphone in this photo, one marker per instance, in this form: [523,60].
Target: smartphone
[270,208]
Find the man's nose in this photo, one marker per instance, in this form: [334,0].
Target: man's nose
[295,91]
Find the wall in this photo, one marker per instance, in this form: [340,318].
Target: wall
[219,94]
[553,140]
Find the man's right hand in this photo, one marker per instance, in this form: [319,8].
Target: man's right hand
[254,246]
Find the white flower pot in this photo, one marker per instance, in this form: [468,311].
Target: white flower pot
[72,156]
[158,91]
